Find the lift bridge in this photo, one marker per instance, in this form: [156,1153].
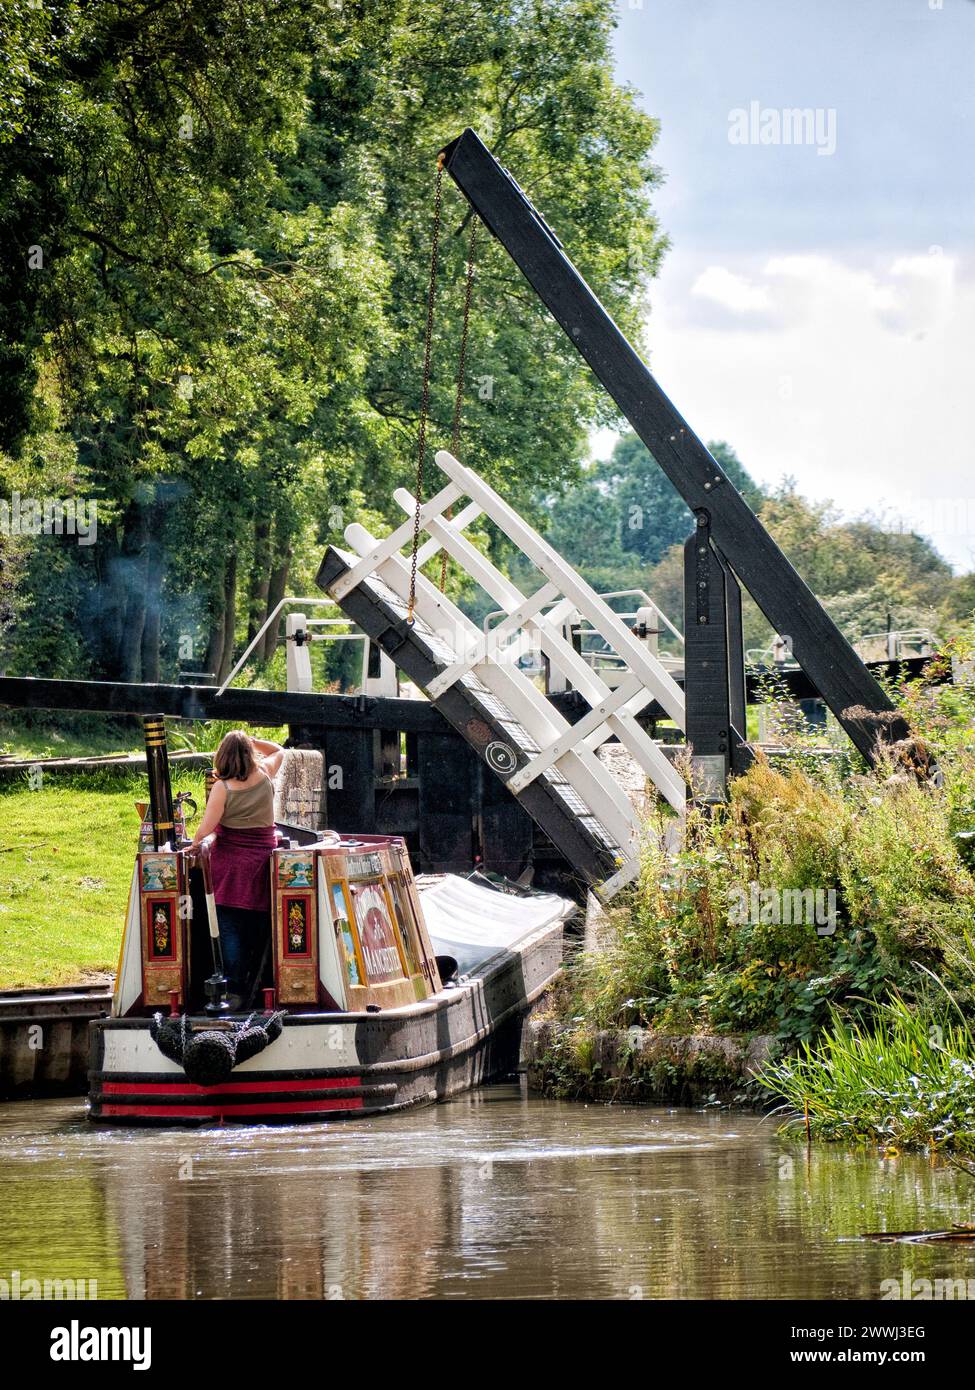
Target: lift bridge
[475,679]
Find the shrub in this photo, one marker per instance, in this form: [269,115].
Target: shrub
[674,955]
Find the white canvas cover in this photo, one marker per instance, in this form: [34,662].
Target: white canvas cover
[470,922]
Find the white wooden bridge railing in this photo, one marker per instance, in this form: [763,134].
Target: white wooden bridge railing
[532,622]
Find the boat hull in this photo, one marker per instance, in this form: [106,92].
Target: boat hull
[332,1066]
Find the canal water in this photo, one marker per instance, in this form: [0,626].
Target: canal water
[492,1195]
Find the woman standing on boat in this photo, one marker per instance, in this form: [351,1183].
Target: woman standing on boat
[240,810]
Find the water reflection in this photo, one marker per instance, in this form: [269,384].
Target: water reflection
[490,1196]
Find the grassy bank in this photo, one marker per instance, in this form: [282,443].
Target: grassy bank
[51,734]
[708,939]
[65,866]
[827,904]
[26,734]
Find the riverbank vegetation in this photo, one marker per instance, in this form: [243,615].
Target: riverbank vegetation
[900,1078]
[826,904]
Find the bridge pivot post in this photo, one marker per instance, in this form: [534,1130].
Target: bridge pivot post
[714,669]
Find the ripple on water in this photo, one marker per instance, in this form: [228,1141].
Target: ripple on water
[491,1195]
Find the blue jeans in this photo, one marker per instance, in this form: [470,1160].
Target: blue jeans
[244,934]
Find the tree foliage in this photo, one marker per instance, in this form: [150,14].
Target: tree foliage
[219,340]
[214,244]
[624,525]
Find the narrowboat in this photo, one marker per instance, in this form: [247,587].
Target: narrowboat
[387,991]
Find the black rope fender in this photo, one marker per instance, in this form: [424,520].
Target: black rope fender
[208,1057]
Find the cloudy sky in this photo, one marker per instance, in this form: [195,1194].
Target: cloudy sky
[817,307]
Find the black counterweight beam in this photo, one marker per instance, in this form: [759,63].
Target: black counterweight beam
[789,604]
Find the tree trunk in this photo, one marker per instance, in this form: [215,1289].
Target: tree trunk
[105,632]
[257,609]
[276,590]
[217,617]
[133,572]
[229,619]
[280,563]
[153,620]
[155,563]
[214,651]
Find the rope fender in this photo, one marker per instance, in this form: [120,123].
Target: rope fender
[208,1057]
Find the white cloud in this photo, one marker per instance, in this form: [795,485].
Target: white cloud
[856,379]
[730,291]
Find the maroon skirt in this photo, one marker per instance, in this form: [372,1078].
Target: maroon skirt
[241,865]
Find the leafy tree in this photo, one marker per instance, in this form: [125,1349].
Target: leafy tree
[840,557]
[868,612]
[222,346]
[861,569]
[640,512]
[624,515]
[651,514]
[958,602]
[585,525]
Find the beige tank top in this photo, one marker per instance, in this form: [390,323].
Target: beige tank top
[250,807]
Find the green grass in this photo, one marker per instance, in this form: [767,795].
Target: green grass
[41,734]
[66,855]
[903,1080]
[35,734]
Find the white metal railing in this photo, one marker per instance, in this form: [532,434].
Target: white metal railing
[299,672]
[601,657]
[900,644]
[648,602]
[271,618]
[895,645]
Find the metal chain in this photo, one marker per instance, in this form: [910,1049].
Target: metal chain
[421,445]
[461,370]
